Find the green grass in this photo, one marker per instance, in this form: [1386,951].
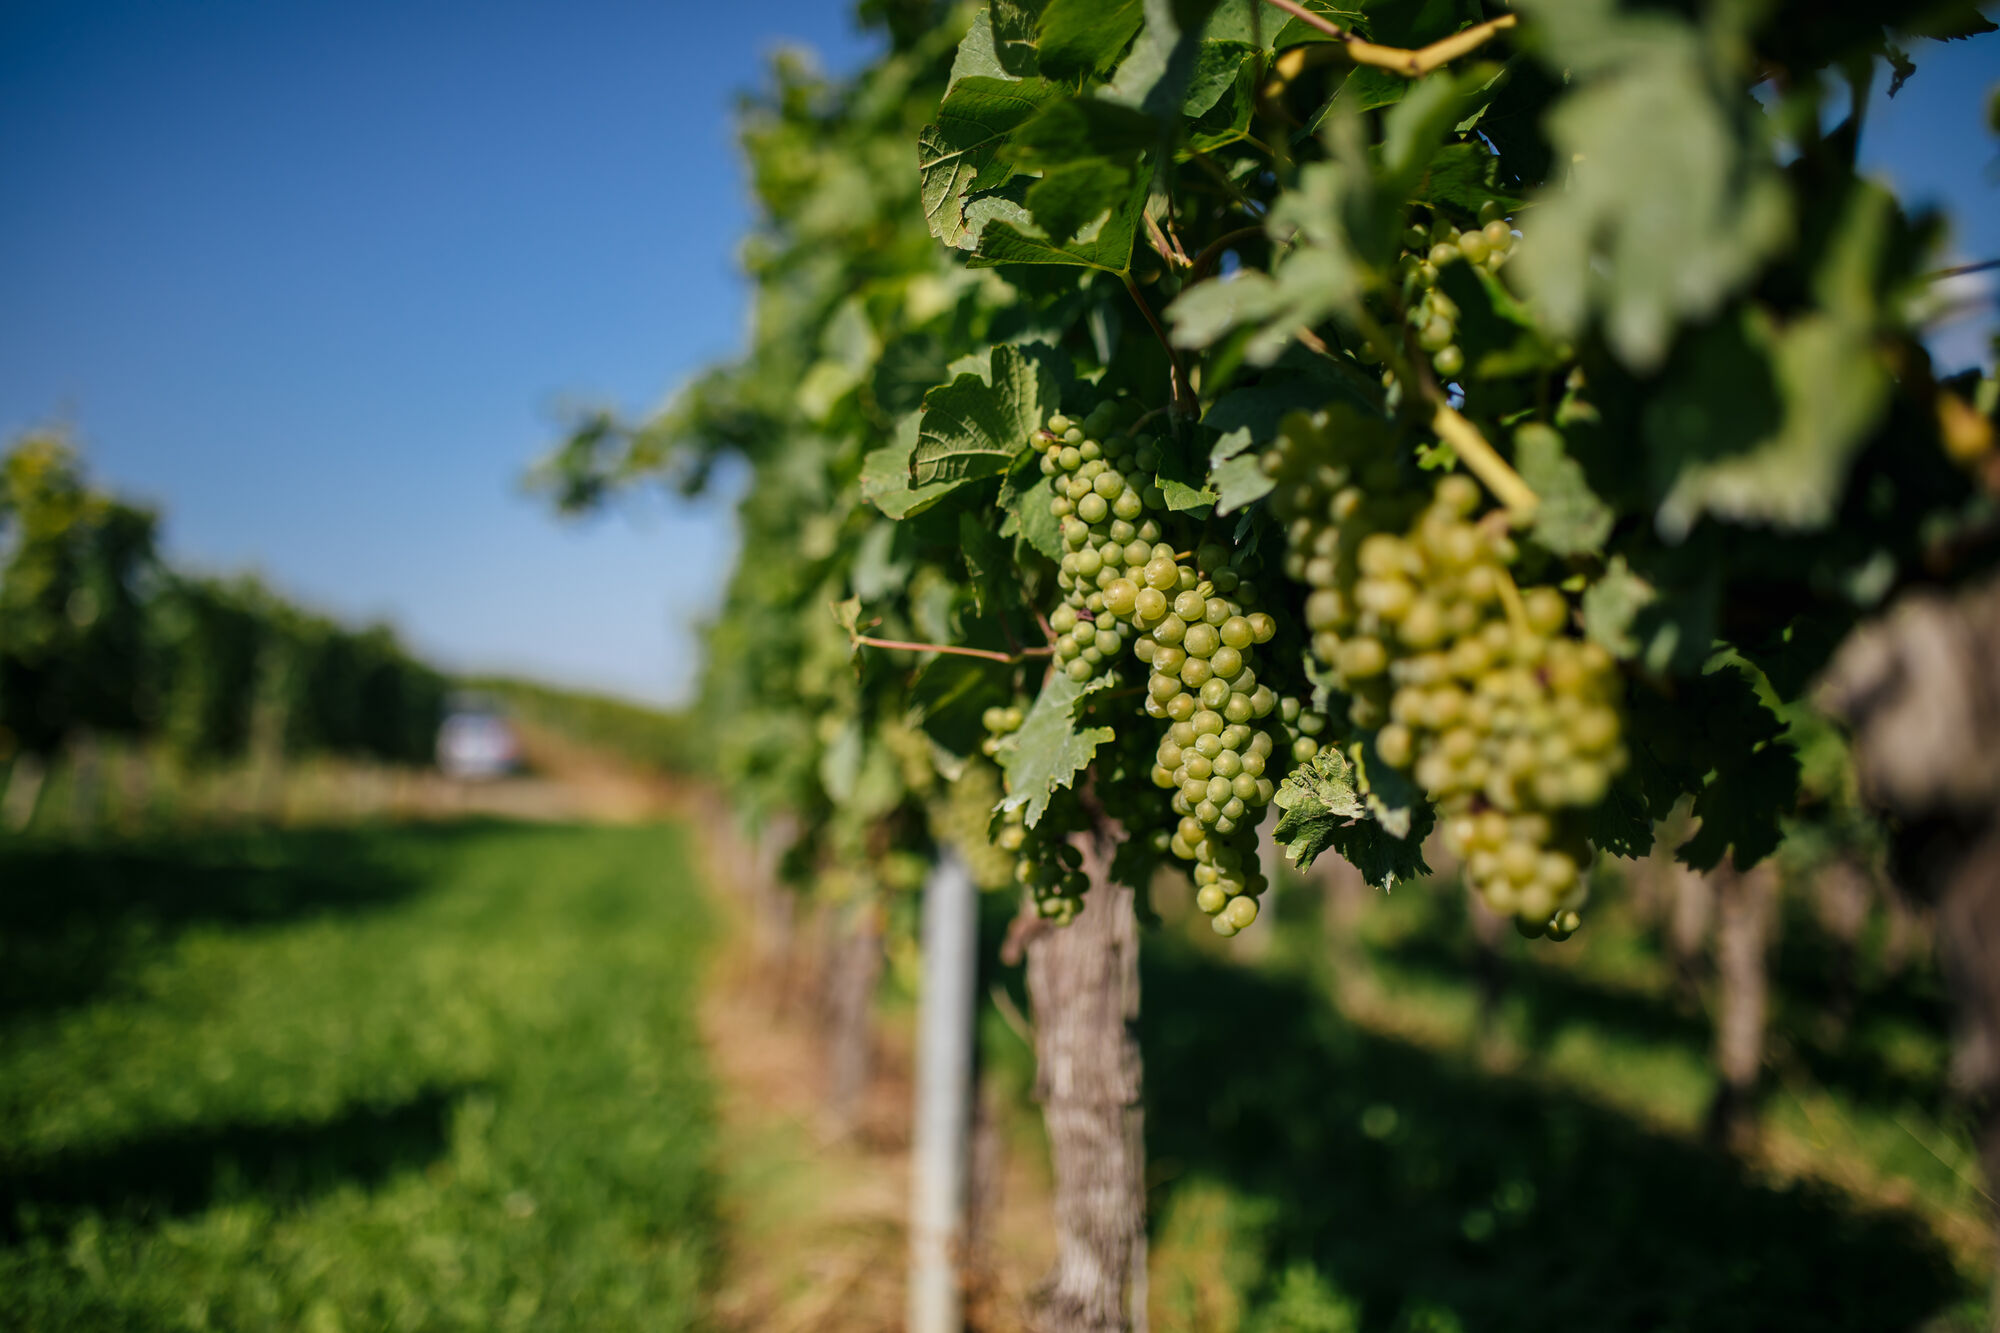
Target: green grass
[394,1078]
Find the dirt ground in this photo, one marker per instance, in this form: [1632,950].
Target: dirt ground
[815,1241]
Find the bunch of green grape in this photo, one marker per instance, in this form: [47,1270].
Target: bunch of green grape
[1474,686]
[1431,315]
[1192,623]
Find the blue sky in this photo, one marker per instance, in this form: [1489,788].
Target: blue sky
[317,279]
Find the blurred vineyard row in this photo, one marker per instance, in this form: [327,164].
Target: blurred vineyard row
[103,645]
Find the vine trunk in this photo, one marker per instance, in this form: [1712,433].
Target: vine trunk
[1083,981]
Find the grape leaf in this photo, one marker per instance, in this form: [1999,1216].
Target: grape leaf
[988,567]
[951,692]
[1032,519]
[1671,202]
[1048,751]
[1610,606]
[1239,481]
[997,44]
[1069,198]
[1243,417]
[1571,519]
[1622,823]
[1829,380]
[978,426]
[1464,175]
[1321,807]
[1082,38]
[1741,808]
[958,155]
[885,475]
[1218,67]
[1004,229]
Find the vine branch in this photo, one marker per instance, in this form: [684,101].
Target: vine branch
[1183,391]
[1960,270]
[1484,461]
[1410,64]
[990,654]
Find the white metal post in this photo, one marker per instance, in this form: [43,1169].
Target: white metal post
[940,1151]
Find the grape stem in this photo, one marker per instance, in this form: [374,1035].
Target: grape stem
[1410,64]
[1960,270]
[1485,462]
[1163,243]
[1183,392]
[990,654]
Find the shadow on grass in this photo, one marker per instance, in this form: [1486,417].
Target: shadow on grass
[1407,1177]
[174,1173]
[74,917]
[1848,1057]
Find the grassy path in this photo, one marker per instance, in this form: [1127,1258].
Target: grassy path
[441,1077]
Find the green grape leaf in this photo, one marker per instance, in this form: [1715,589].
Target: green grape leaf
[958,156]
[1571,519]
[1004,229]
[978,426]
[877,572]
[1396,802]
[1049,751]
[1742,809]
[847,614]
[885,475]
[951,692]
[1622,824]
[1181,478]
[1081,39]
[1079,129]
[1221,94]
[989,566]
[1463,175]
[1028,512]
[1008,53]
[1611,605]
[1238,482]
[1498,334]
[1642,240]
[1366,88]
[1321,806]
[1069,198]
[1834,388]
[1250,416]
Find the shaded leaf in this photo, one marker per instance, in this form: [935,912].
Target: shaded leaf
[1049,751]
[1571,519]
[958,155]
[1082,38]
[977,426]
[885,475]
[1321,806]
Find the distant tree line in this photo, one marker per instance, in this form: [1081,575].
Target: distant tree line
[100,637]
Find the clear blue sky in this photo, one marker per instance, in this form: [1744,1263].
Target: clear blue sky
[316,277]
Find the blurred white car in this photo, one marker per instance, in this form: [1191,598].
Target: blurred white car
[476,743]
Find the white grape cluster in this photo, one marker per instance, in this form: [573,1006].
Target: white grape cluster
[1433,316]
[1508,723]
[1123,586]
